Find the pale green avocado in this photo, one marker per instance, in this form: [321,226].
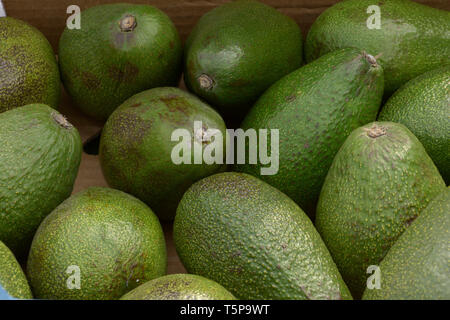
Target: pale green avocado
[379,182]
[179,287]
[252,239]
[97,245]
[417,266]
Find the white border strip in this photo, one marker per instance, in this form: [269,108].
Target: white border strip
[2,10]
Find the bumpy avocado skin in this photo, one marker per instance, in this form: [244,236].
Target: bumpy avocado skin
[417,266]
[179,287]
[29,71]
[12,278]
[375,188]
[252,239]
[136,147]
[39,162]
[412,38]
[423,106]
[315,108]
[243,47]
[115,239]
[102,66]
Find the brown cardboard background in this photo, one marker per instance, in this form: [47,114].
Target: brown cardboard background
[49,16]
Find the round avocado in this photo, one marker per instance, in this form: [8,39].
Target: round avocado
[179,287]
[12,278]
[120,50]
[97,245]
[237,50]
[29,71]
[39,160]
[137,146]
[423,106]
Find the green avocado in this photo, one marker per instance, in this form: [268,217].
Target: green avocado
[379,182]
[29,71]
[137,146]
[12,278]
[411,38]
[39,160]
[417,266]
[179,287]
[315,108]
[120,50]
[97,245]
[237,50]
[252,239]
[423,106]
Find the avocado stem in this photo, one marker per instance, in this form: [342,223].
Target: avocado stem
[128,23]
[376,131]
[61,120]
[370,59]
[205,82]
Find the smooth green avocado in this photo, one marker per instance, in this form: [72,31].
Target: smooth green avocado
[12,278]
[138,148]
[417,266]
[29,71]
[423,106]
[237,50]
[379,182]
[252,239]
[179,287]
[39,160]
[315,108]
[120,50]
[411,38]
[97,245]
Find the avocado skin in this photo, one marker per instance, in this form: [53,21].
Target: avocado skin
[38,165]
[29,71]
[101,66]
[416,267]
[423,106]
[114,238]
[244,47]
[252,239]
[12,278]
[413,38]
[315,108]
[373,191]
[179,287]
[136,147]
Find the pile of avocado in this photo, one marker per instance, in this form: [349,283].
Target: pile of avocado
[358,208]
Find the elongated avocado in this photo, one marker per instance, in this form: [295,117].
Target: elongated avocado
[423,106]
[315,108]
[121,49]
[417,265]
[379,182]
[179,287]
[28,68]
[39,160]
[98,244]
[411,38]
[252,239]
